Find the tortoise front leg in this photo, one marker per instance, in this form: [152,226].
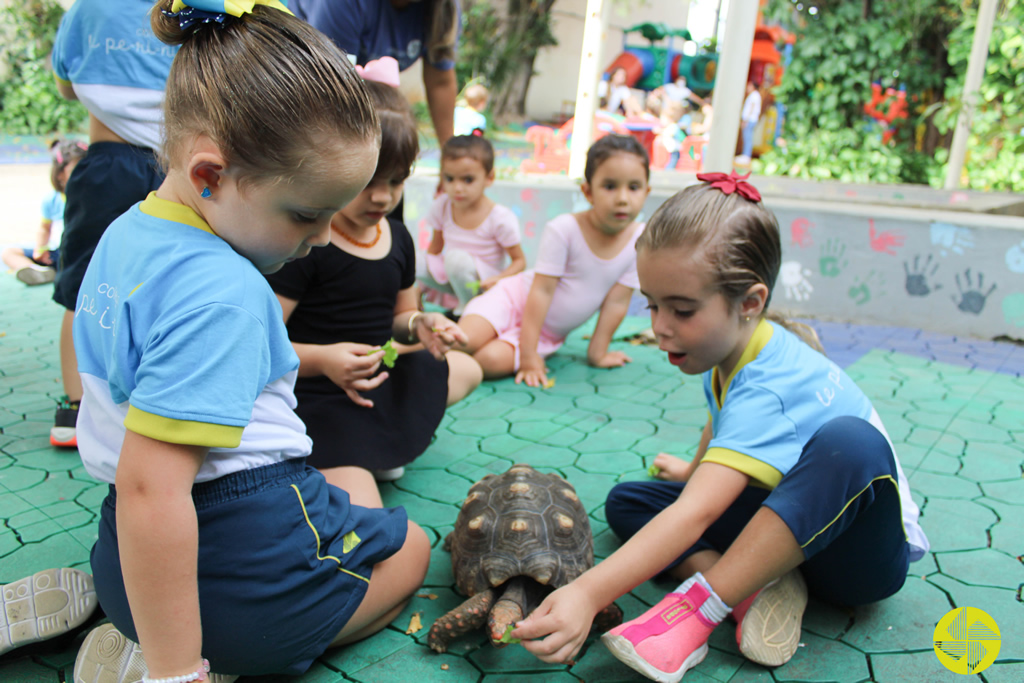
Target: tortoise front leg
[466,617]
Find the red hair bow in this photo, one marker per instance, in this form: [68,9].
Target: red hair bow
[731,183]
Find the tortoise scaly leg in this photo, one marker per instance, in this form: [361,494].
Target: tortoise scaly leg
[522,595]
[466,617]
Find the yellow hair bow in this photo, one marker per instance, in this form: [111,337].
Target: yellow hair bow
[235,8]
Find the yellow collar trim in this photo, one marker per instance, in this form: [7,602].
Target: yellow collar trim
[173,211]
[762,335]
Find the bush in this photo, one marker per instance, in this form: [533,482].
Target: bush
[29,101]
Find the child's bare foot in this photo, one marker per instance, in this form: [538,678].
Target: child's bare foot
[671,468]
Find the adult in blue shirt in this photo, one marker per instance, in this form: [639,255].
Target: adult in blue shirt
[403,29]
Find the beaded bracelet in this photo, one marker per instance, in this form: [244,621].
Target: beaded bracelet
[198,675]
[412,329]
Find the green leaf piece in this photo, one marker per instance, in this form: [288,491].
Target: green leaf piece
[474,287]
[653,470]
[390,353]
[506,638]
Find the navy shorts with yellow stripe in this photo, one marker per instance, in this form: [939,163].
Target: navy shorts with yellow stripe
[840,501]
[284,561]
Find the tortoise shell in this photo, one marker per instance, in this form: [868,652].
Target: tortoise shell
[520,523]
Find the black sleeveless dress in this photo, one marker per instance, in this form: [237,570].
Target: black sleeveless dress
[342,297]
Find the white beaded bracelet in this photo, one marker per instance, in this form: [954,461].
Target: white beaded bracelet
[199,675]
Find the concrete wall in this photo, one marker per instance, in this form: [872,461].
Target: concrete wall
[956,272]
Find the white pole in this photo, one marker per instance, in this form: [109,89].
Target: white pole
[586,88]
[730,84]
[972,81]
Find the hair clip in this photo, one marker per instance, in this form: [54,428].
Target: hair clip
[731,183]
[383,70]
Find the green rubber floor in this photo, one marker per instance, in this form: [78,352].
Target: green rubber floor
[953,407]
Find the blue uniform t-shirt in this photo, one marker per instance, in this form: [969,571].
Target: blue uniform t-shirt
[371,29]
[118,68]
[180,338]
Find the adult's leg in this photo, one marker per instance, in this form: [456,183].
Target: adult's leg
[464,375]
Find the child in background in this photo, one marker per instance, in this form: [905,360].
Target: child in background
[795,485]
[343,302]
[471,234]
[670,133]
[469,117]
[37,265]
[586,263]
[123,90]
[216,540]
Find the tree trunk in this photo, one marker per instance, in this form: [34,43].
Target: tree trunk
[521,18]
[510,104]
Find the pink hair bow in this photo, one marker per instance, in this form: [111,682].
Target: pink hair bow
[383,70]
[731,183]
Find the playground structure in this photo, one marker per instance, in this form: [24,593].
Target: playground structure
[651,66]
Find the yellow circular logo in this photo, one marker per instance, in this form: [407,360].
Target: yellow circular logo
[967,640]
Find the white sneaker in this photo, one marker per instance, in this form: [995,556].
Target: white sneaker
[47,604]
[769,632]
[108,656]
[393,474]
[35,275]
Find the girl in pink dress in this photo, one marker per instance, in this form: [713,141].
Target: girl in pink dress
[586,262]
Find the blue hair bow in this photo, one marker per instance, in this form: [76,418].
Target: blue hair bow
[215,11]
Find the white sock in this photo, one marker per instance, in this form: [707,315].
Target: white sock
[713,609]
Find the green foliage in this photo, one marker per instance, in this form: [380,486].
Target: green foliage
[838,54]
[29,101]
[995,157]
[495,44]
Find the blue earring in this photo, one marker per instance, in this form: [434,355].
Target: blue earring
[205,194]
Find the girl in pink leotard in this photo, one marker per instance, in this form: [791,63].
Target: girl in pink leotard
[586,262]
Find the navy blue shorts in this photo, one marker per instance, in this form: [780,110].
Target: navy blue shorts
[284,561]
[840,501]
[54,257]
[110,179]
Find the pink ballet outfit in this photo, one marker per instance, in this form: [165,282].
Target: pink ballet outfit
[487,243]
[583,283]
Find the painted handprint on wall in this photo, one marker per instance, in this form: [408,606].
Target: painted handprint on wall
[795,284]
[833,258]
[972,300]
[800,232]
[920,276]
[867,287]
[951,237]
[1015,258]
[885,240]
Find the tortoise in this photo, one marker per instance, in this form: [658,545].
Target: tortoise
[519,536]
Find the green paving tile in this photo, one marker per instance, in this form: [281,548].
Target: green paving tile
[752,673]
[51,552]
[609,463]
[821,659]
[914,666]
[414,663]
[16,478]
[513,658]
[565,437]
[503,445]
[581,420]
[992,462]
[825,620]
[1011,492]
[977,432]
[956,524]
[1008,533]
[591,488]
[1008,672]
[927,418]
[620,435]
[983,568]
[534,431]
[435,485]
[422,510]
[480,428]
[38,444]
[942,486]
[358,656]
[901,622]
[939,463]
[950,444]
[547,677]
[25,671]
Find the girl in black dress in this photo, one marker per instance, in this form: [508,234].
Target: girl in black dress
[342,303]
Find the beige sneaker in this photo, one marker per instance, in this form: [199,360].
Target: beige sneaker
[46,604]
[108,656]
[769,631]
